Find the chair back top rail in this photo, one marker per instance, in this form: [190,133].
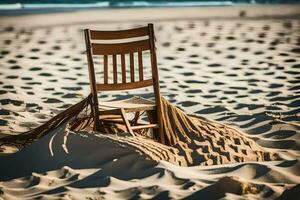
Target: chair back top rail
[120,48]
[122,34]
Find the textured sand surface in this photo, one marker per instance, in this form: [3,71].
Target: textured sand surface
[105,167]
[241,72]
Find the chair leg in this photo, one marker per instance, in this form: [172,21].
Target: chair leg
[96,125]
[136,118]
[160,131]
[151,116]
[127,124]
[153,119]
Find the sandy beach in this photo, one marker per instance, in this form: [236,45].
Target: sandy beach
[237,66]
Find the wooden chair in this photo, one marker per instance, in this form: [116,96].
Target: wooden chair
[112,47]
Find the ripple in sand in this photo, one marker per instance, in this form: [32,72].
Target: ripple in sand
[12,77]
[3,122]
[52,100]
[35,68]
[188,103]
[69,95]
[215,109]
[15,67]
[11,101]
[11,61]
[45,74]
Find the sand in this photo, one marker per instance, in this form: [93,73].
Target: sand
[238,71]
[104,167]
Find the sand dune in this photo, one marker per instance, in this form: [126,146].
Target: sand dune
[241,72]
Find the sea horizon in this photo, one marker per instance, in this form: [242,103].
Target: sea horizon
[37,4]
[27,7]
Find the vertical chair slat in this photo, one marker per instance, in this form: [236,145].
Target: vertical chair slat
[141,73]
[105,71]
[115,69]
[123,68]
[131,67]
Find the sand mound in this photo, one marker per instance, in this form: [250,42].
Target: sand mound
[206,142]
[192,141]
[196,141]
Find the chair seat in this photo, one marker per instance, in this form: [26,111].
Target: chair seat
[131,104]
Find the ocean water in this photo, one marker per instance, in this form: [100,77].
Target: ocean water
[36,4]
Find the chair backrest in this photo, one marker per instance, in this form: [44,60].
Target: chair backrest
[111,45]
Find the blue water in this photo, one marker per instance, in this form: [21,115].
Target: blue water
[37,4]
[117,2]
